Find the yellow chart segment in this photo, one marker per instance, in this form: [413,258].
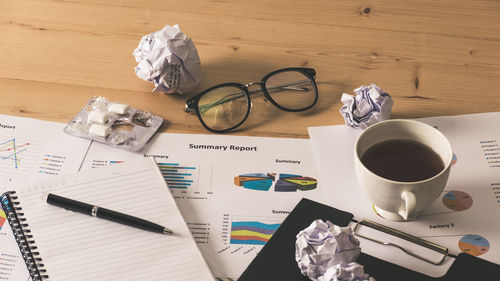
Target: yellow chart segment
[3,218]
[251,178]
[301,182]
[250,233]
[239,180]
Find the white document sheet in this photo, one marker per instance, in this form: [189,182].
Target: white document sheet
[233,191]
[31,149]
[464,218]
[75,246]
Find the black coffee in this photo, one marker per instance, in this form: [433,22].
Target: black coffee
[402,160]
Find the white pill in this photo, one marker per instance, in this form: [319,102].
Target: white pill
[97,130]
[78,128]
[118,108]
[98,117]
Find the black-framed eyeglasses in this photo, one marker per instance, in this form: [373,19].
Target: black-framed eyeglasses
[224,107]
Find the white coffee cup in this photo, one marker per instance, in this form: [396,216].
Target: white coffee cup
[397,200]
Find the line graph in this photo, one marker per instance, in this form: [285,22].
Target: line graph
[11,151]
[18,157]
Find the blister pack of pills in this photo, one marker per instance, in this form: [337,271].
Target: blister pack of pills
[116,124]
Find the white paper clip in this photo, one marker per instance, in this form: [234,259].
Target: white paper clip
[405,236]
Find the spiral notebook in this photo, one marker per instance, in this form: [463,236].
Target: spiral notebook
[58,244]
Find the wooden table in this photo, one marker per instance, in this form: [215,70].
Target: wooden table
[433,57]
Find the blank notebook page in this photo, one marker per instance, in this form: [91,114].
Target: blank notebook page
[76,246]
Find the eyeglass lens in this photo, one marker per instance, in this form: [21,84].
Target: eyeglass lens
[226,107]
[223,107]
[291,90]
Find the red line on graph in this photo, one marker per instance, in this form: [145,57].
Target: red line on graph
[16,147]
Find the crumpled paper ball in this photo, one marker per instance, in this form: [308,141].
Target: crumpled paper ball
[169,59]
[327,252]
[369,106]
[342,272]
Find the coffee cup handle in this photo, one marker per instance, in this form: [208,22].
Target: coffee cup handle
[408,210]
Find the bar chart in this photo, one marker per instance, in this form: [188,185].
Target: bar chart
[180,176]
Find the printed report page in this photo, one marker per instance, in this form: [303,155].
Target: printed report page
[31,149]
[233,191]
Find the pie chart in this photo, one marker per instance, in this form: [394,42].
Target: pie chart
[284,183]
[454,159]
[457,200]
[473,244]
[255,181]
[291,182]
[3,217]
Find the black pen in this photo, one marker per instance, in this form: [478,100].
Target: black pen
[104,213]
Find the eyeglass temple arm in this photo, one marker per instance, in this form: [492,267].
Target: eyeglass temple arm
[227,98]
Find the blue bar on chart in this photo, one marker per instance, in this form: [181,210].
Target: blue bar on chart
[179,176]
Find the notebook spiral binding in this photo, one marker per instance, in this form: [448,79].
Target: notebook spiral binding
[24,239]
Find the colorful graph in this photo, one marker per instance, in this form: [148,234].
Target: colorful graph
[454,159]
[457,200]
[10,150]
[179,176]
[3,217]
[289,182]
[251,232]
[285,182]
[255,181]
[176,175]
[376,212]
[473,244]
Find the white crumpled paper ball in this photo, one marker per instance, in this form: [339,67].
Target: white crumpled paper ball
[327,252]
[169,59]
[369,106]
[346,272]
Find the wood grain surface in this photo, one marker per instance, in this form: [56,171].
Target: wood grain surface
[433,57]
